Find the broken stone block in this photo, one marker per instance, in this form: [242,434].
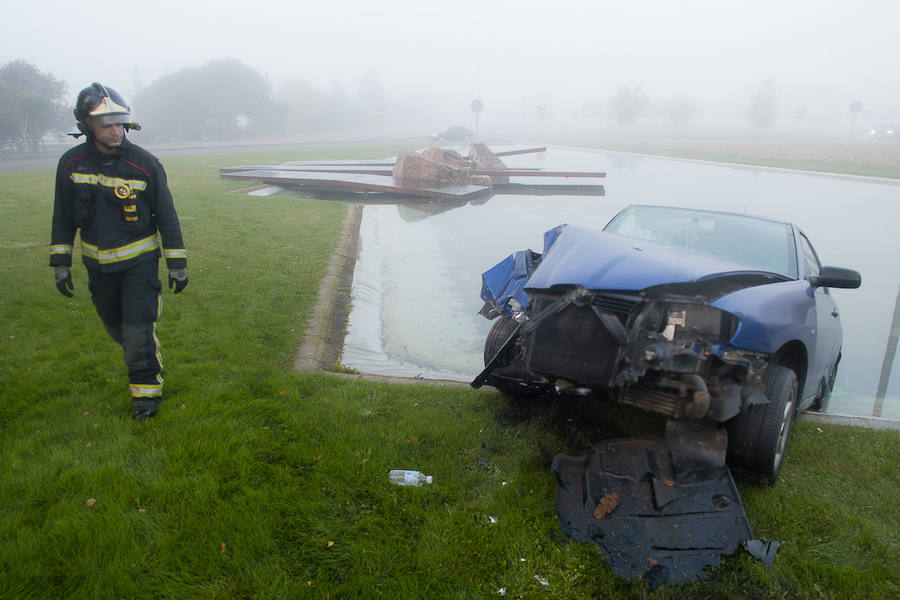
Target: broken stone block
[417,166]
[481,157]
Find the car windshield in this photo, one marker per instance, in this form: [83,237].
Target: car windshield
[758,243]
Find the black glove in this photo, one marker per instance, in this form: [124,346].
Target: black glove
[63,280]
[178,278]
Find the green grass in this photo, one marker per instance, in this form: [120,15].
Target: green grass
[257,482]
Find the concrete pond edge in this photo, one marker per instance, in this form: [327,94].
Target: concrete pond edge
[318,348]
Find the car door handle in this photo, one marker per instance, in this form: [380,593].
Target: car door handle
[835,314]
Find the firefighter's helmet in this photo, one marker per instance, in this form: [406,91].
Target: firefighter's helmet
[103,105]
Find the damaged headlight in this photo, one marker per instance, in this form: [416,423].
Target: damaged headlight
[697,323]
[517,311]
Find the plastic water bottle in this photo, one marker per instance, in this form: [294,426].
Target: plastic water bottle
[414,478]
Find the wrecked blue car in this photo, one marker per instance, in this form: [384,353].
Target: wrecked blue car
[693,314]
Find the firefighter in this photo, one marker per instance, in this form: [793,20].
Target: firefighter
[116,194]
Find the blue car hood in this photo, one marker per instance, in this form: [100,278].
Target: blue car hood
[597,260]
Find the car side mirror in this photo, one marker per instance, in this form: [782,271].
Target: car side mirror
[837,277]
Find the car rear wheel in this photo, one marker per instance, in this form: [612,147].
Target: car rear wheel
[758,437]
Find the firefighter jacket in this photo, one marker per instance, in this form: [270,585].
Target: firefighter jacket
[121,203]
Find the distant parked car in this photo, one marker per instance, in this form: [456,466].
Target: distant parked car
[886,132]
[697,315]
[457,133]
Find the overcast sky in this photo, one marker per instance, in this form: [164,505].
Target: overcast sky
[508,53]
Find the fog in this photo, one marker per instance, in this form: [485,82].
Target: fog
[432,59]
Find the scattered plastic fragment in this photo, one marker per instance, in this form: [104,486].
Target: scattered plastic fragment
[761,550]
[502,591]
[542,581]
[492,519]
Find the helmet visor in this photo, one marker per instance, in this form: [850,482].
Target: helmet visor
[124,119]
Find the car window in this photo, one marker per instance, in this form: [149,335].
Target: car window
[758,243]
[813,266]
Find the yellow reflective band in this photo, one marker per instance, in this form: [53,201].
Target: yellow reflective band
[156,339]
[175,252]
[60,249]
[145,390]
[113,182]
[113,255]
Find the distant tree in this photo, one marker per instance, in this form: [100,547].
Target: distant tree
[220,100]
[368,96]
[628,104]
[32,103]
[680,111]
[306,108]
[763,110]
[856,107]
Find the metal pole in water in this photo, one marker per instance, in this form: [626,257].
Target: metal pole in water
[889,354]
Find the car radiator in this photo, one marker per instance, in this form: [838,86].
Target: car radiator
[573,344]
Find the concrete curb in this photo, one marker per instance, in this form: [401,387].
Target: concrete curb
[852,420]
[314,349]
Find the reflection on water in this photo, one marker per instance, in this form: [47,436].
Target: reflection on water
[418,277]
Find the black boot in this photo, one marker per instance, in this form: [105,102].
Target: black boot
[144,408]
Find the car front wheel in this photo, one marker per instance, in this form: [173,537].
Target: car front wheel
[501,330]
[512,383]
[758,437]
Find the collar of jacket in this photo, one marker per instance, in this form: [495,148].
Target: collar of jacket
[92,149]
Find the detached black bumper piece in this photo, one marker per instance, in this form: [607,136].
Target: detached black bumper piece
[658,510]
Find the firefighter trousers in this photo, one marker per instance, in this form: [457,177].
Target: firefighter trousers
[128,303]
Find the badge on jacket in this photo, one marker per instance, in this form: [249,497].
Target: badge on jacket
[122,191]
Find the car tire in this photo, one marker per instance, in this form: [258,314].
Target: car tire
[758,437]
[510,384]
[499,333]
